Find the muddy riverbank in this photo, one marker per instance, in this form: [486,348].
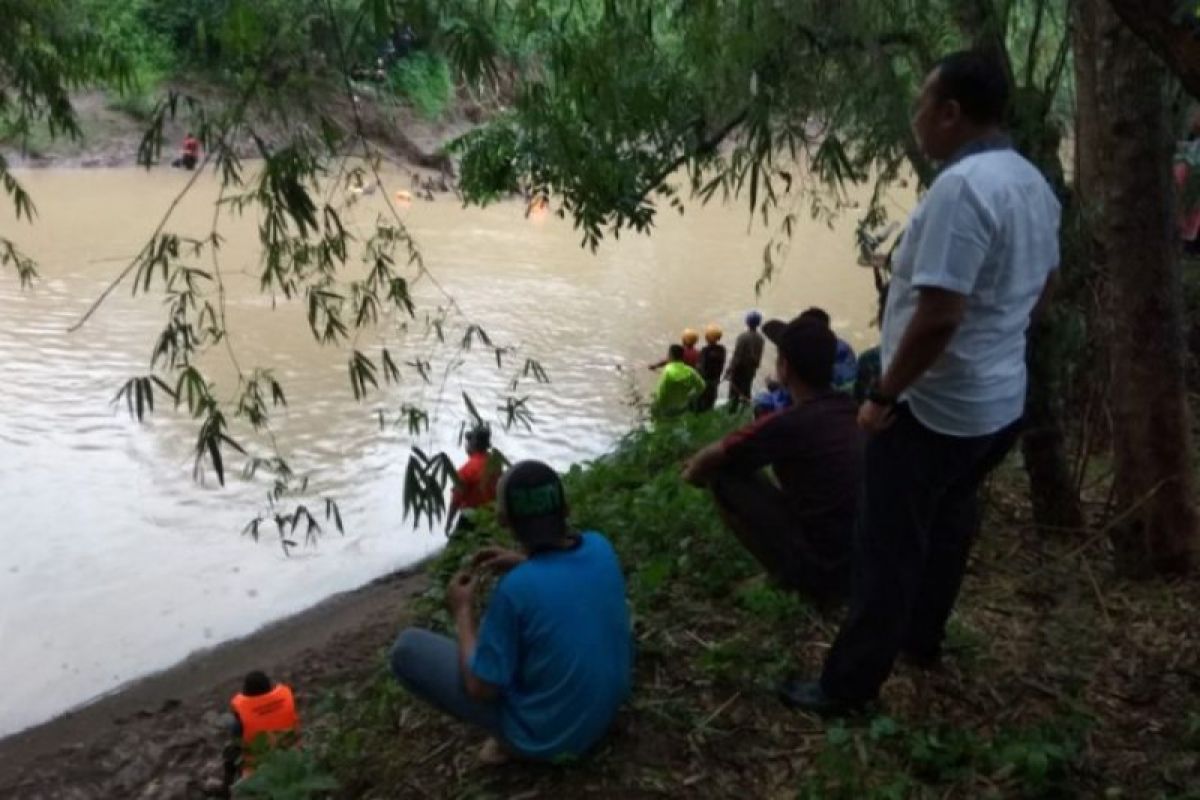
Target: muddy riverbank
[161,737]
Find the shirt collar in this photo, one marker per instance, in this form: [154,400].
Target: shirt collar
[984,144]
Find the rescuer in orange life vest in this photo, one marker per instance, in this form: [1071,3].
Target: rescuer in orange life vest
[477,480]
[264,716]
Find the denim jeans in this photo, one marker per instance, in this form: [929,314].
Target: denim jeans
[426,664]
[918,516]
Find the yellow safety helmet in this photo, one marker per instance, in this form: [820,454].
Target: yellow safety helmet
[690,337]
[712,334]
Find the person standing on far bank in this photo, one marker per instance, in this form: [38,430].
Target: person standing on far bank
[711,366]
[973,266]
[743,366]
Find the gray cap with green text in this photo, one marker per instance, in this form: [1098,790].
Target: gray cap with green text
[533,501]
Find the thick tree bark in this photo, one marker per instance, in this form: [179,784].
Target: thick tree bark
[1157,522]
[1087,191]
[1088,163]
[1173,37]
[1052,491]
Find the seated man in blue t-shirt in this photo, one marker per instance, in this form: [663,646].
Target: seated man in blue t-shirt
[551,662]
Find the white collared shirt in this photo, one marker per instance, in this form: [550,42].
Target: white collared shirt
[987,229]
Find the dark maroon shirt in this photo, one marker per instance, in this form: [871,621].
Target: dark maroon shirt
[815,449]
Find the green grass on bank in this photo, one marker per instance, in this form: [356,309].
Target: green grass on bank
[1061,681]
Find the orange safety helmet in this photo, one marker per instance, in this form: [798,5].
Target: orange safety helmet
[713,334]
[690,337]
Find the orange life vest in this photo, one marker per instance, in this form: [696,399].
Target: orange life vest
[269,714]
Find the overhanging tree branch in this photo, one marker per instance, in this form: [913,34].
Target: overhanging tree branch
[1172,38]
[705,146]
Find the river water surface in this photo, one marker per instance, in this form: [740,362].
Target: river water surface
[115,563]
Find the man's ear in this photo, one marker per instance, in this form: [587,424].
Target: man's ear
[951,112]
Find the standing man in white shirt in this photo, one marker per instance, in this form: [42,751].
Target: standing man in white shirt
[974,264]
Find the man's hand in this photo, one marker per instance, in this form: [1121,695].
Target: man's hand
[496,559]
[461,592]
[875,417]
[699,469]
[691,474]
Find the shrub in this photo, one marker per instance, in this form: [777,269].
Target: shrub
[423,79]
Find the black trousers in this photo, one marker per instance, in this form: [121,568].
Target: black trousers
[918,516]
[741,386]
[708,398]
[762,518]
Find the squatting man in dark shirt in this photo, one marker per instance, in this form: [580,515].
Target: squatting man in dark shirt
[799,525]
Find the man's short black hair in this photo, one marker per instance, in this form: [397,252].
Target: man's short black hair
[256,683]
[675,352]
[818,315]
[977,82]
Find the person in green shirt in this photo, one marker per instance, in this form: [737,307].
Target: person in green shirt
[678,386]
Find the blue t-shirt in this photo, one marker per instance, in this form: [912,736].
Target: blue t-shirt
[557,643]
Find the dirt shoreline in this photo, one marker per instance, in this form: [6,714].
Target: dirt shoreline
[161,736]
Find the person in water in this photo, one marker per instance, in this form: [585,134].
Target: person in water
[678,387]
[189,154]
[264,716]
[711,366]
[747,355]
[691,356]
[546,671]
[798,527]
[477,479]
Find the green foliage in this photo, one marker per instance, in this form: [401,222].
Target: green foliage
[228,36]
[125,25]
[286,774]
[636,498]
[358,721]
[889,762]
[771,604]
[423,79]
[622,96]
[668,534]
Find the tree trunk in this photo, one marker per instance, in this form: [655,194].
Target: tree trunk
[1157,523]
[1088,164]
[1052,491]
[1087,191]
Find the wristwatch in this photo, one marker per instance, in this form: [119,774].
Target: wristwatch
[880,399]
